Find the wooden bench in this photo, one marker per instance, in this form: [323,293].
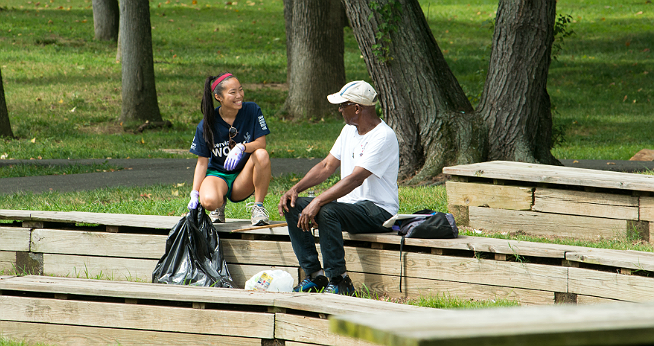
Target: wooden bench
[606,324]
[84,312]
[551,201]
[69,245]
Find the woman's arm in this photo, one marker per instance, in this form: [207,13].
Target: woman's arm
[200,172]
[259,143]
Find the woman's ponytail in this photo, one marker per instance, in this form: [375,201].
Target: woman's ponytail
[207,111]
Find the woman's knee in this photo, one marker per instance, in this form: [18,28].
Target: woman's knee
[211,201]
[261,156]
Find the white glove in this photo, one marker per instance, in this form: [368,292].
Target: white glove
[234,156]
[193,203]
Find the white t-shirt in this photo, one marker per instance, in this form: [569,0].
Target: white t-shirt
[378,152]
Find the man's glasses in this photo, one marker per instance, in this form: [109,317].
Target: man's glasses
[345,104]
[232,133]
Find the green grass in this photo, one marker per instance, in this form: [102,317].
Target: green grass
[30,170]
[63,87]
[11,342]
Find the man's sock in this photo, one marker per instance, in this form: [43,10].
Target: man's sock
[319,272]
[259,204]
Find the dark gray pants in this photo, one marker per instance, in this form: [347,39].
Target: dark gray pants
[333,218]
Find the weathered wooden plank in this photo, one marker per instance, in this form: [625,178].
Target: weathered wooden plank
[8,214]
[128,220]
[544,224]
[630,288]
[14,239]
[310,330]
[142,317]
[136,290]
[488,272]
[589,300]
[338,304]
[54,334]
[414,288]
[606,324]
[489,195]
[635,260]
[91,267]
[130,269]
[259,252]
[7,261]
[98,243]
[537,173]
[647,208]
[612,206]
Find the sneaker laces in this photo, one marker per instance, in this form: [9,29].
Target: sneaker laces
[256,210]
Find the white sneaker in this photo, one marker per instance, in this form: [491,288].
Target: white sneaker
[218,215]
[259,214]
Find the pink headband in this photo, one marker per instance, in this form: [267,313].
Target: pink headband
[220,79]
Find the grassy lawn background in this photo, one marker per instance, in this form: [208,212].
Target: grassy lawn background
[63,87]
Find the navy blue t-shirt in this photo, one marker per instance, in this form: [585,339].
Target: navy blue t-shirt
[250,125]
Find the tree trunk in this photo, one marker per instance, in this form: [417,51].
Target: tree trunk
[5,126]
[138,90]
[515,104]
[314,47]
[420,97]
[105,19]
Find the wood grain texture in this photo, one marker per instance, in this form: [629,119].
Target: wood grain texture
[14,239]
[7,261]
[259,252]
[538,173]
[494,196]
[590,300]
[605,324]
[311,330]
[635,260]
[54,334]
[142,317]
[647,208]
[544,224]
[605,205]
[98,243]
[113,268]
[630,288]
[488,272]
[414,288]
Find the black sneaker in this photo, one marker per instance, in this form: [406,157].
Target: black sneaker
[316,284]
[340,285]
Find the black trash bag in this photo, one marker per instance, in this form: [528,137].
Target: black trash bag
[194,255]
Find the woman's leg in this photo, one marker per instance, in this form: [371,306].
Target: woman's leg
[255,177]
[212,192]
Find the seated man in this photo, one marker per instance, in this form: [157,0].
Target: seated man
[367,153]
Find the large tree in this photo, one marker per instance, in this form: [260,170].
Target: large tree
[425,105]
[314,50]
[138,87]
[515,104]
[5,126]
[106,17]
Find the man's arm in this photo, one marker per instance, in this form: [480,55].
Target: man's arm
[315,176]
[340,189]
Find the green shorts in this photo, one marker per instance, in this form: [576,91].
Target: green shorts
[227,177]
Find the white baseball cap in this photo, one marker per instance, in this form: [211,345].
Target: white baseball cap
[358,92]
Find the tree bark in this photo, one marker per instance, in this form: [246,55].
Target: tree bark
[105,19]
[420,97]
[314,50]
[138,87]
[515,104]
[5,126]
